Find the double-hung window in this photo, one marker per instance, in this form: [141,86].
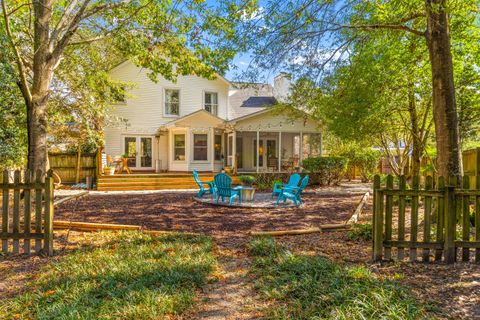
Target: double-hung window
[172,102]
[179,145]
[211,102]
[200,147]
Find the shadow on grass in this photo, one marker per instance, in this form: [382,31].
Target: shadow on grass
[130,276]
[313,287]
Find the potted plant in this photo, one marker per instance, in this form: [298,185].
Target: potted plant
[109,170]
[247,181]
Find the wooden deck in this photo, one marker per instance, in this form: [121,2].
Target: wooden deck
[153,181]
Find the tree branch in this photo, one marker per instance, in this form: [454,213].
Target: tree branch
[21,67]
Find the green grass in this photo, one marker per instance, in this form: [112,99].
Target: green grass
[130,276]
[313,287]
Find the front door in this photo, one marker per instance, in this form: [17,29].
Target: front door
[267,156]
[139,151]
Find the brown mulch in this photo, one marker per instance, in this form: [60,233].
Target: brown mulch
[178,211]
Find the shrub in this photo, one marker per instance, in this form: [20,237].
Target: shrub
[361,232]
[247,180]
[365,159]
[265,180]
[326,170]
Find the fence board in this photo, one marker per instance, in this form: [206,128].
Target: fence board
[401,216]
[414,218]
[5,206]
[477,221]
[38,208]
[440,218]
[427,219]
[27,212]
[70,167]
[466,219]
[16,211]
[388,217]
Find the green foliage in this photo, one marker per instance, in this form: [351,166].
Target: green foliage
[265,180]
[312,287]
[326,170]
[364,158]
[361,231]
[248,180]
[131,276]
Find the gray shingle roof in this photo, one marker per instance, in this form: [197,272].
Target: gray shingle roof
[258,102]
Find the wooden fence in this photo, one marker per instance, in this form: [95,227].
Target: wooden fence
[437,219]
[28,215]
[73,167]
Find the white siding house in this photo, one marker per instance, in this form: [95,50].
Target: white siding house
[196,123]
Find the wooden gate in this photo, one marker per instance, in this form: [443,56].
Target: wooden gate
[433,221]
[28,215]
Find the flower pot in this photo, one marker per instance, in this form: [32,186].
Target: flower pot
[109,171]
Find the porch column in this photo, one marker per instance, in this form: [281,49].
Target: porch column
[188,147]
[258,150]
[234,151]
[212,149]
[279,151]
[300,156]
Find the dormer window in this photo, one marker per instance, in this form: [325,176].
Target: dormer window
[211,102]
[172,102]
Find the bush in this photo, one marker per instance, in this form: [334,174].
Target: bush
[361,232]
[365,159]
[247,180]
[326,170]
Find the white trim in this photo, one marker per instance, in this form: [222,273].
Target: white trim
[137,145]
[203,100]
[164,113]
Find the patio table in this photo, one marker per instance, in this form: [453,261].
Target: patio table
[247,193]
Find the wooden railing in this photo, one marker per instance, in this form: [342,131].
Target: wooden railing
[28,215]
[436,219]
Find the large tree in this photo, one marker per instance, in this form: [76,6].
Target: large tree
[308,36]
[50,43]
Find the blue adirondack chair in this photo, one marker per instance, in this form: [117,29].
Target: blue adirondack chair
[202,191]
[294,193]
[223,185]
[292,182]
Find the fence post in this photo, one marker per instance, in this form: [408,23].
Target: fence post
[450,224]
[377,220]
[48,245]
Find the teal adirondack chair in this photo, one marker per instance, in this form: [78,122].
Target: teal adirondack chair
[223,185]
[202,191]
[292,182]
[294,193]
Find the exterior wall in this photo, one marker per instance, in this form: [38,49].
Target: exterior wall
[266,121]
[144,107]
[238,95]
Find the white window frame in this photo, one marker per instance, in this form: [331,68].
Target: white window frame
[171,115]
[175,147]
[194,147]
[205,104]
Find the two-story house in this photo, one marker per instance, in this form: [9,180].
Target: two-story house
[196,123]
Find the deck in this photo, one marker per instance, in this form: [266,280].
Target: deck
[153,181]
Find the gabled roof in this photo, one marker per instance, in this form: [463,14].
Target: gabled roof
[194,117]
[258,102]
[250,115]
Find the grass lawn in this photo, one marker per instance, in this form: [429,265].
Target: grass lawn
[297,286]
[126,275]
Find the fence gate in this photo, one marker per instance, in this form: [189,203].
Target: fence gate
[431,222]
[28,214]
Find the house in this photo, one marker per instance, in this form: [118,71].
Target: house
[196,123]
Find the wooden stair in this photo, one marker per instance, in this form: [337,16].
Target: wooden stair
[139,181]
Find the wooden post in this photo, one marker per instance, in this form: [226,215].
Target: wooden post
[48,244]
[466,219]
[388,217]
[27,211]
[377,219]
[477,217]
[414,219]
[258,150]
[16,211]
[402,186]
[300,155]
[280,151]
[77,168]
[440,218]
[5,220]
[39,181]
[450,218]
[234,152]
[212,150]
[427,218]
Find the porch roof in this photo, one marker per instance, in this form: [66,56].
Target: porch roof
[201,116]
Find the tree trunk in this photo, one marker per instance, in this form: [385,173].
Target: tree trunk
[417,148]
[444,105]
[37,135]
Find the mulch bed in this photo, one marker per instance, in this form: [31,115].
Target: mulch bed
[179,211]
